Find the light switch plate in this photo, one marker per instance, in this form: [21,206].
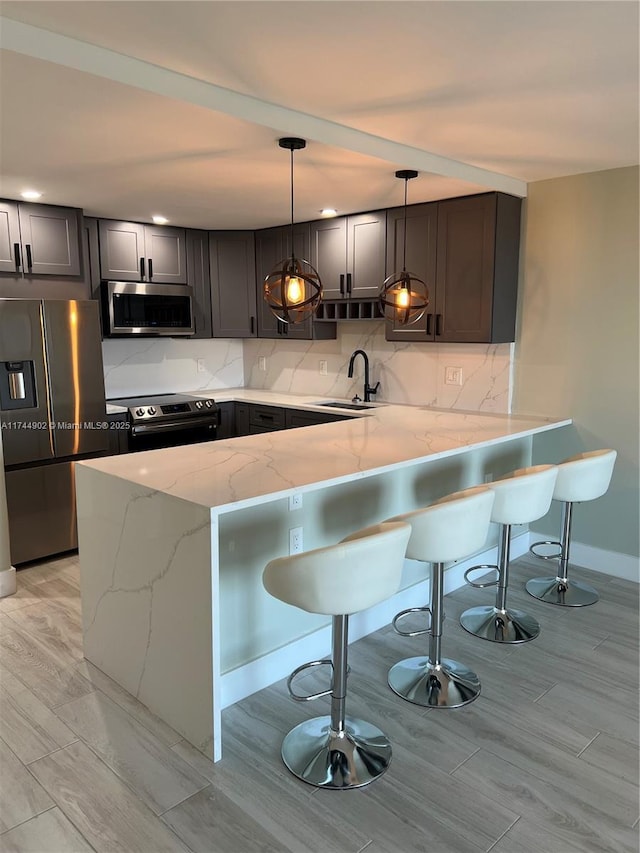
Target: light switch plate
[453,376]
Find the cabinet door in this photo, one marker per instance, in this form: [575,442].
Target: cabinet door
[227,420]
[166,254]
[422,223]
[301,248]
[10,260]
[270,249]
[198,277]
[122,252]
[329,255]
[233,284]
[50,240]
[242,418]
[366,249]
[465,266]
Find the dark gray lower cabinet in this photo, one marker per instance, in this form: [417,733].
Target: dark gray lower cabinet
[227,420]
[233,284]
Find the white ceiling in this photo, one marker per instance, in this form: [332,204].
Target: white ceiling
[474,95]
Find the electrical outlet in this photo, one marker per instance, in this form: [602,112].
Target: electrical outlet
[453,376]
[200,365]
[295,501]
[262,363]
[295,540]
[323,368]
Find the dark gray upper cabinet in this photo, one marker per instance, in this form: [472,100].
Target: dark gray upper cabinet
[422,224]
[39,240]
[233,284]
[272,246]
[131,251]
[199,278]
[349,254]
[477,269]
[466,250]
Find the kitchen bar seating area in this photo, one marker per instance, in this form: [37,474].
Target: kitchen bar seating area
[544,762]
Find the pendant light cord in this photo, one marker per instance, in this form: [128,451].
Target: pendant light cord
[292,251]
[404,241]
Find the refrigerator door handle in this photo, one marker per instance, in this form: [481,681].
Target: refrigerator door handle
[45,357]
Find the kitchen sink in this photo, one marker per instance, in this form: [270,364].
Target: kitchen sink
[334,404]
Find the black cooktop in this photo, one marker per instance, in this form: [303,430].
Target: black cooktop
[154,400]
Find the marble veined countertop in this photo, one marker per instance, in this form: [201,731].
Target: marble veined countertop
[248,470]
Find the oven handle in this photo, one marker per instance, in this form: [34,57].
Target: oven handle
[145,429]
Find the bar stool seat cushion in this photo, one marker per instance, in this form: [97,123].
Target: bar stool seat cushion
[523,495]
[358,572]
[584,477]
[453,528]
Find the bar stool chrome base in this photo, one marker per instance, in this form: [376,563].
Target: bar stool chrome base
[566,593]
[326,758]
[500,626]
[448,685]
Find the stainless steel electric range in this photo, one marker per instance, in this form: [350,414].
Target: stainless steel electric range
[168,420]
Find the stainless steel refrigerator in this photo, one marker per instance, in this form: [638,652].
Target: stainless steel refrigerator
[52,408]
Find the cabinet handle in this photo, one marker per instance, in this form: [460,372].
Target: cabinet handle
[150,263]
[142,269]
[16,256]
[264,417]
[341,285]
[429,316]
[348,282]
[438,324]
[29,258]
[252,324]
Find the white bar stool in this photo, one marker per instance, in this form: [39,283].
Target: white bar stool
[451,529]
[520,497]
[584,477]
[364,569]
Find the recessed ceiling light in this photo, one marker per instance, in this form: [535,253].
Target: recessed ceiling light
[31,194]
[328,211]
[160,220]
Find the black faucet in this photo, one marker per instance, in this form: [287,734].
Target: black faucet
[368,390]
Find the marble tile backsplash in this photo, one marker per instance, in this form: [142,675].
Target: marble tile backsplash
[164,365]
[408,373]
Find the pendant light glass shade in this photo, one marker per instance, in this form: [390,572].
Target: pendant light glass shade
[403,296]
[293,289]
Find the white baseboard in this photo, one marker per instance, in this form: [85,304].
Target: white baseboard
[260,673]
[8,583]
[613,563]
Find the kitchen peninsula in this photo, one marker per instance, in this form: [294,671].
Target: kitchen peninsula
[173,543]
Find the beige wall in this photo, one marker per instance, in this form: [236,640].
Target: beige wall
[577,343]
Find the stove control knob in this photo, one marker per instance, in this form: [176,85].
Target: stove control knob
[139,412]
[151,410]
[199,404]
[208,403]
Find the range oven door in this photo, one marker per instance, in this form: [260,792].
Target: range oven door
[151,436]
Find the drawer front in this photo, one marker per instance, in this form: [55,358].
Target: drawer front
[300,418]
[270,417]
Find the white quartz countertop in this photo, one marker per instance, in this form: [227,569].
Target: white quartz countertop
[251,469]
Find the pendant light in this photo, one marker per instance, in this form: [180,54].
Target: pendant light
[403,296]
[293,289]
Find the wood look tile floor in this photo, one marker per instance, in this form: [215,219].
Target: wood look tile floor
[545,761]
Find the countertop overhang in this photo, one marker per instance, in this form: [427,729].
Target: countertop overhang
[248,470]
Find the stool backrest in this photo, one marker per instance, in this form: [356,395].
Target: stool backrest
[453,528]
[585,477]
[523,495]
[362,570]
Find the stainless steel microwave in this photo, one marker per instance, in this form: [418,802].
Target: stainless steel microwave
[137,308]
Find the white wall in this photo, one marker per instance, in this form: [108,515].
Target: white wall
[408,373]
[577,343]
[155,366]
